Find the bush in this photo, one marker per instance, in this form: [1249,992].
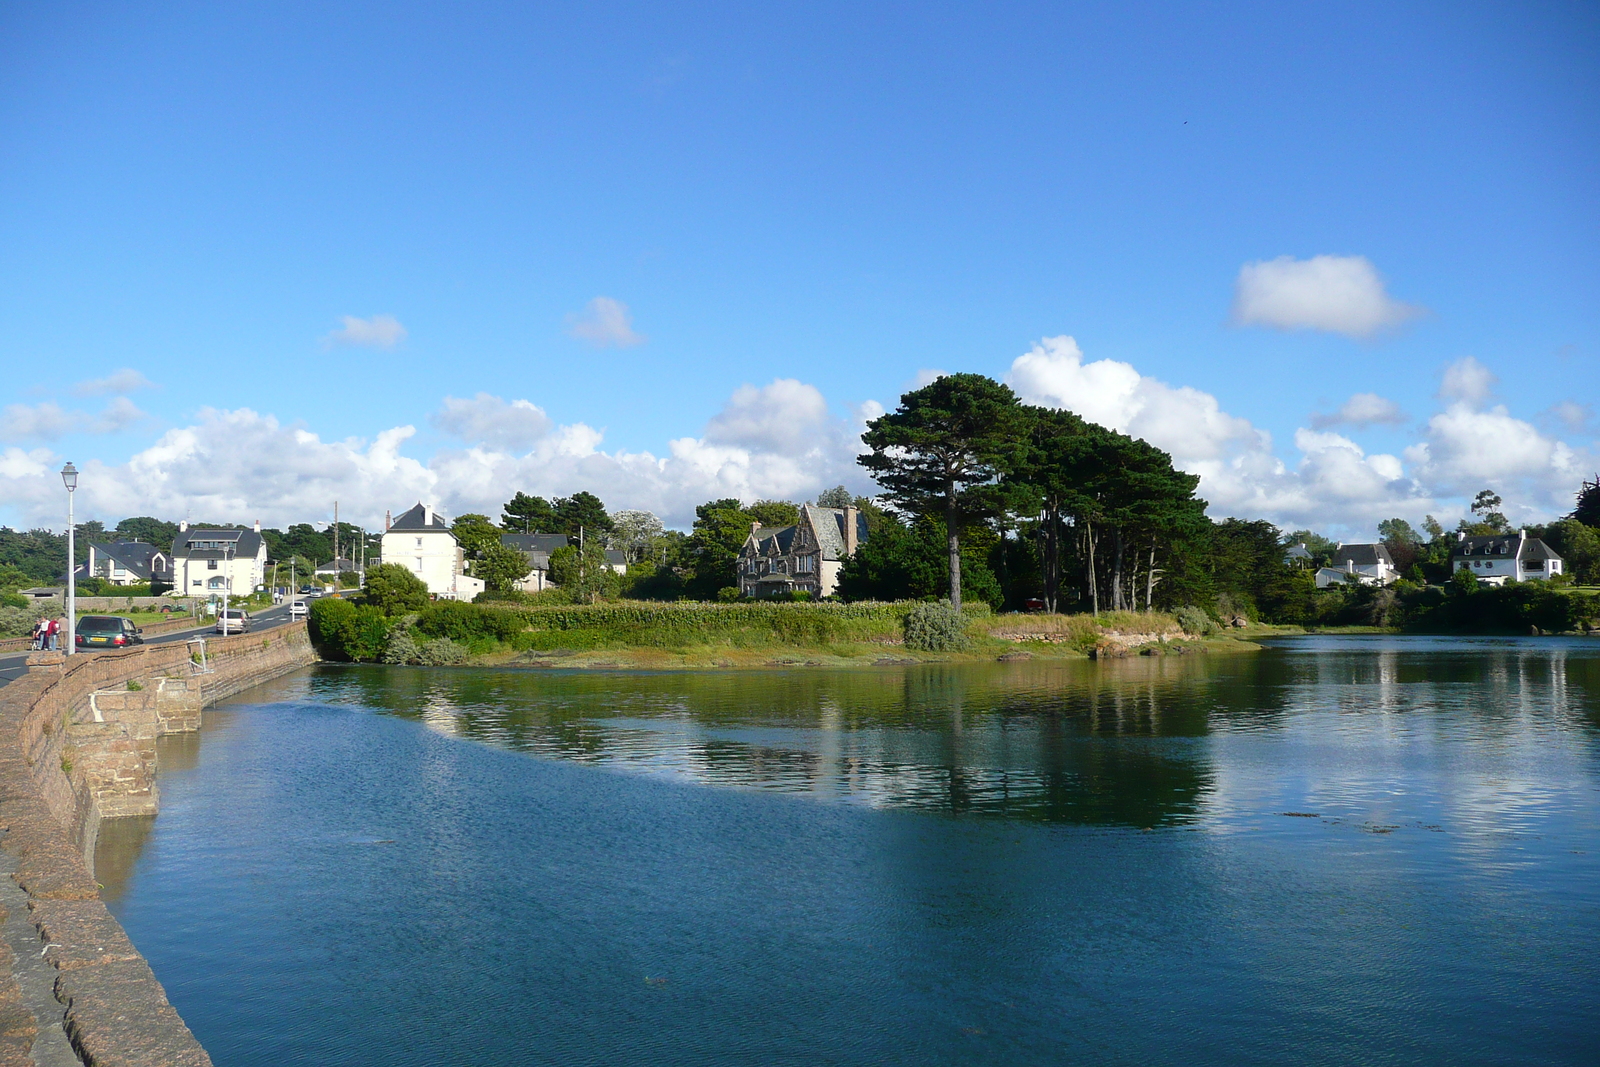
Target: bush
[1195,621]
[404,648]
[340,630]
[17,621]
[466,622]
[394,590]
[728,594]
[935,628]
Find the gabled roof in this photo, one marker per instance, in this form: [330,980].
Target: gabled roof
[1502,546]
[334,566]
[135,556]
[1361,555]
[412,520]
[775,541]
[539,542]
[1299,551]
[615,557]
[240,544]
[828,524]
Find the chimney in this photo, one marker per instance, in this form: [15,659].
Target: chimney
[427,514]
[1350,566]
[386,520]
[258,526]
[754,526]
[850,519]
[183,526]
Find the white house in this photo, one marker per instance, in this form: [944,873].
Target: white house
[213,562]
[1367,564]
[1494,559]
[421,541]
[805,557]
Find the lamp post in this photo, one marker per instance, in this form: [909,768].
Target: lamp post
[69,478]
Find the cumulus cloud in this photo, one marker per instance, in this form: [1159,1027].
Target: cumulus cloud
[605,323]
[242,465]
[1333,294]
[1468,381]
[380,331]
[1334,481]
[118,383]
[50,421]
[490,420]
[1362,410]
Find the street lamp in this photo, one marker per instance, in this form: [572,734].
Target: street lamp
[69,478]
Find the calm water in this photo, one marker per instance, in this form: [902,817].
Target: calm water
[1340,851]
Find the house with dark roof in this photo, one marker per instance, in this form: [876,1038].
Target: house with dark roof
[420,540]
[1366,564]
[1495,558]
[128,563]
[537,549]
[213,562]
[803,558]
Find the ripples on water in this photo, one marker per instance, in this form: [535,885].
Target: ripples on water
[1360,850]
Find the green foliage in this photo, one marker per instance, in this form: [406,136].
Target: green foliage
[341,630]
[646,581]
[501,567]
[837,497]
[528,514]
[1588,509]
[584,573]
[468,622]
[1195,621]
[148,529]
[17,621]
[720,530]
[1516,607]
[393,589]
[937,627]
[404,648]
[475,534]
[1398,530]
[728,594]
[943,452]
[638,534]
[775,513]
[635,624]
[1579,546]
[39,554]
[581,511]
[1463,582]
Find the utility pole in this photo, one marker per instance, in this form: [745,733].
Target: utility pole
[335,546]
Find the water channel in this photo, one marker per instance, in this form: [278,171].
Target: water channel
[1376,850]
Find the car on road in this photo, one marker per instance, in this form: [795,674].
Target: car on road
[232,621]
[299,609]
[107,631]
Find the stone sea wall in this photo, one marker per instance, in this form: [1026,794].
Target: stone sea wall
[77,745]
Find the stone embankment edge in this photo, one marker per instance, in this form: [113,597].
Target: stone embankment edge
[115,1012]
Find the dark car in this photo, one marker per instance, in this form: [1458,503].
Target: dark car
[107,631]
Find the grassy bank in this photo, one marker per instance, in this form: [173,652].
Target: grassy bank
[691,635]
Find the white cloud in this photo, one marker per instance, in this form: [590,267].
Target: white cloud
[1571,414]
[242,465]
[605,323]
[1334,294]
[490,420]
[927,376]
[1362,410]
[380,331]
[1467,380]
[49,421]
[1334,483]
[118,383]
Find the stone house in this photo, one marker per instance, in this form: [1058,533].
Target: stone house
[803,558]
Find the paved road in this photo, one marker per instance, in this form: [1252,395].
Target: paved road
[13,664]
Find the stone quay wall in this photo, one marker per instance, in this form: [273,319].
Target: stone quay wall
[77,745]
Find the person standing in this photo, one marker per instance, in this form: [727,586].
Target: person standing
[53,633]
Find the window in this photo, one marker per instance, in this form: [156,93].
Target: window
[419,542]
[211,564]
[198,582]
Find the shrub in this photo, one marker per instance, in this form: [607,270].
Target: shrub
[344,631]
[465,622]
[17,622]
[935,628]
[728,594]
[394,590]
[1195,621]
[403,647]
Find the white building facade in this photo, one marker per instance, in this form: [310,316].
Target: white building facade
[420,541]
[211,563]
[1494,560]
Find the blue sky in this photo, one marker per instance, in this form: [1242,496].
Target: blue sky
[844,196]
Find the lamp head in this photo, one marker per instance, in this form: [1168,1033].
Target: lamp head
[69,477]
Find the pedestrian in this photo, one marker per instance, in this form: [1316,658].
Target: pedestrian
[53,634]
[41,631]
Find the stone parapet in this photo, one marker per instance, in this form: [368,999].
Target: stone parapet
[78,745]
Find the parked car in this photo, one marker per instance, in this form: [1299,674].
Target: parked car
[107,631]
[232,621]
[299,609]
